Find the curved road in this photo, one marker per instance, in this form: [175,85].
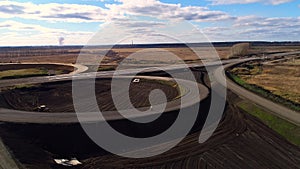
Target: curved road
[44,79]
[34,117]
[6,162]
[279,110]
[191,97]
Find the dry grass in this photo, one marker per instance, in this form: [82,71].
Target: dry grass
[166,55]
[184,53]
[274,49]
[12,74]
[281,79]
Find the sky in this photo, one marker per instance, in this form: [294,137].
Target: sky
[81,22]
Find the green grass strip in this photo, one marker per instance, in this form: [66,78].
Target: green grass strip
[21,73]
[286,129]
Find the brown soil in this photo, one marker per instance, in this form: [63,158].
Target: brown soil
[58,96]
[59,58]
[240,141]
[113,56]
[184,53]
[70,54]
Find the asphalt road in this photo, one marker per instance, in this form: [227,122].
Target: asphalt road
[8,115]
[34,117]
[18,116]
[190,97]
[65,77]
[279,110]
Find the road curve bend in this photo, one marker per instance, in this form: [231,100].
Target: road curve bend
[191,97]
[279,110]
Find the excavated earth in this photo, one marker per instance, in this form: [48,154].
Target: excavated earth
[240,141]
[57,97]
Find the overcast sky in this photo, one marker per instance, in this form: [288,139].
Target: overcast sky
[71,22]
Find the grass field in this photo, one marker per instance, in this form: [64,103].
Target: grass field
[295,62]
[106,68]
[21,73]
[183,53]
[278,82]
[265,93]
[70,55]
[286,129]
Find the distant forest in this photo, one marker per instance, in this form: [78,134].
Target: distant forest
[52,50]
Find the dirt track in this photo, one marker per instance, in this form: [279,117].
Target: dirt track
[58,96]
[240,141]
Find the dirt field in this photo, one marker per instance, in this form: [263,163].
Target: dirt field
[116,55]
[240,141]
[58,96]
[274,49]
[113,56]
[185,54]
